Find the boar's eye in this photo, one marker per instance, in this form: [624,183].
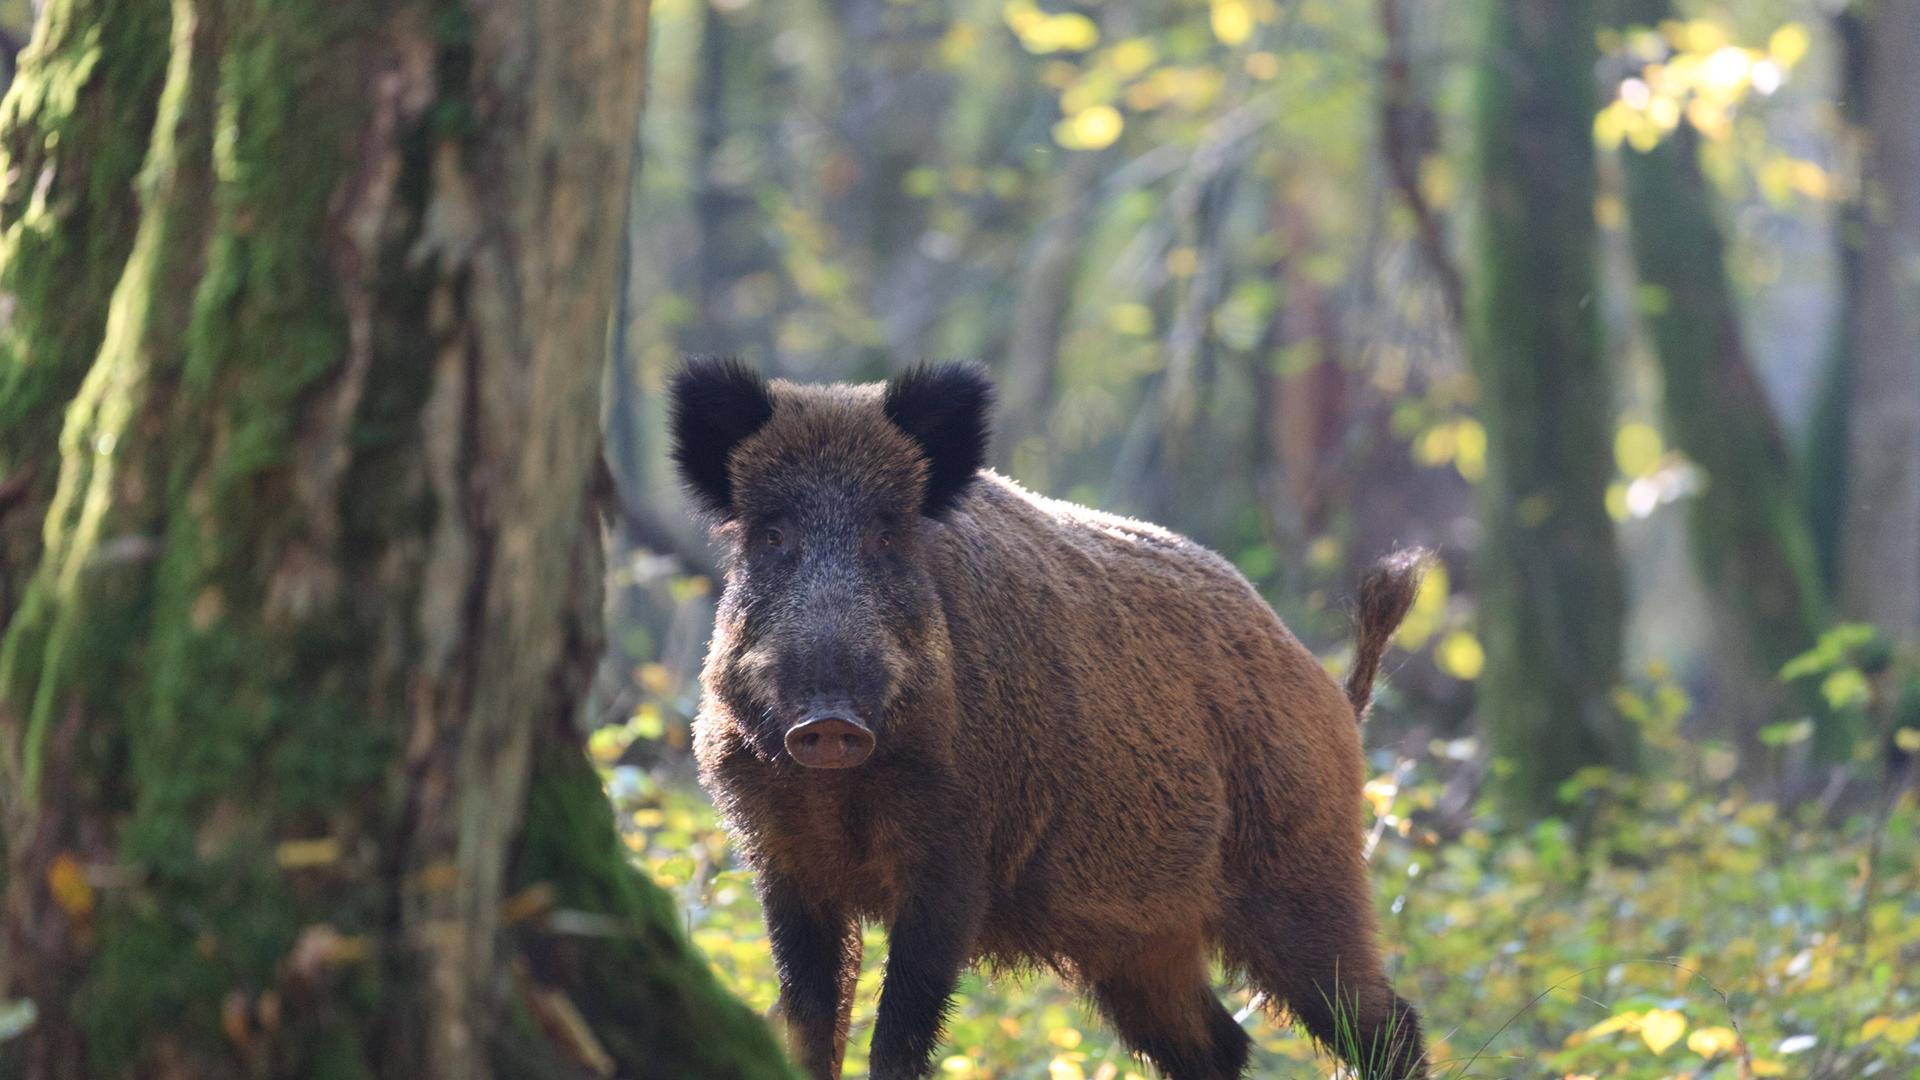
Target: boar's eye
[773,538]
[883,540]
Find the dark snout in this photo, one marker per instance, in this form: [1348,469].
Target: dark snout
[830,739]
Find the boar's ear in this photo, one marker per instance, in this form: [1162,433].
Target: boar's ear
[945,409]
[714,404]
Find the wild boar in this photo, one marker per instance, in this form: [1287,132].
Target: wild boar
[1019,732]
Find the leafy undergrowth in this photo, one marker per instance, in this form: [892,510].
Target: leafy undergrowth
[1696,936]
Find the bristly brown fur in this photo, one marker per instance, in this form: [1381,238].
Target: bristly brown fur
[1096,748]
[1386,595]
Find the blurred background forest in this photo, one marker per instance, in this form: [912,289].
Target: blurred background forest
[1612,305]
[1615,306]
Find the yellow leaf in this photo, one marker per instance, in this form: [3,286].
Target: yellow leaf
[1042,33]
[67,879]
[1435,446]
[1132,56]
[1617,1022]
[1065,1068]
[1065,1038]
[1380,792]
[1090,129]
[1708,1041]
[1907,739]
[1763,1067]
[1810,179]
[1637,449]
[1135,320]
[1232,21]
[1661,1028]
[1873,1027]
[1610,125]
[1460,655]
[1470,449]
[1702,35]
[1788,44]
[1616,500]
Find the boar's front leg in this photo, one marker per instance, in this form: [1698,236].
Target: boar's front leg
[927,946]
[816,953]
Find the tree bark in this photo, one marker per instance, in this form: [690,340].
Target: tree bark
[1880,545]
[291,774]
[1551,604]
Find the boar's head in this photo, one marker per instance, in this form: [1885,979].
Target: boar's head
[827,501]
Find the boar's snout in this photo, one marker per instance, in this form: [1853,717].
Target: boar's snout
[829,738]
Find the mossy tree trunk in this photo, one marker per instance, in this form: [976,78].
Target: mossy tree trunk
[1880,541]
[305,309]
[1551,601]
[1751,541]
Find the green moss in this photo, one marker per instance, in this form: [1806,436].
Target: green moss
[649,996]
[231,733]
[78,114]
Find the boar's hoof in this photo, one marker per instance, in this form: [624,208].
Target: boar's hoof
[829,742]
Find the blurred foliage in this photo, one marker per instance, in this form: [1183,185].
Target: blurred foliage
[1167,227]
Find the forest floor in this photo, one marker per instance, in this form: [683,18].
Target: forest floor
[1693,936]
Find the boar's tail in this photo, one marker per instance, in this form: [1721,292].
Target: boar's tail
[1385,597]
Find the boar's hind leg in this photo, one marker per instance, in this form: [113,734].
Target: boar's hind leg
[817,957]
[1315,954]
[1159,1002]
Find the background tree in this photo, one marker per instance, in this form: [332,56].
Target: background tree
[307,305]
[1551,600]
[1751,542]
[1880,541]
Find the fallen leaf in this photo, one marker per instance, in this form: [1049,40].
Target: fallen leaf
[1708,1041]
[1661,1028]
[306,854]
[67,880]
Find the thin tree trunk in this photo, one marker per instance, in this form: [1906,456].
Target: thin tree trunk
[1880,545]
[1408,132]
[1041,307]
[1552,602]
[287,705]
[1825,451]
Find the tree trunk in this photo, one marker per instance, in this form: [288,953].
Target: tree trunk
[1880,545]
[1551,603]
[1825,446]
[1751,542]
[287,698]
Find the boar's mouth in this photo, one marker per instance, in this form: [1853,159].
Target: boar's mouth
[829,739]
